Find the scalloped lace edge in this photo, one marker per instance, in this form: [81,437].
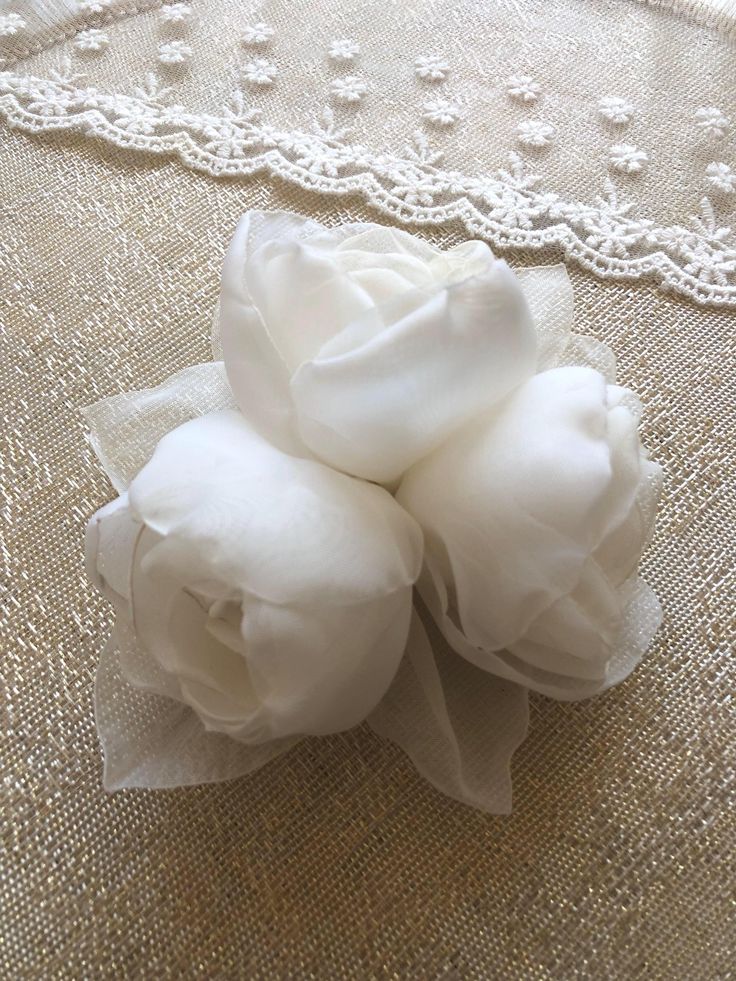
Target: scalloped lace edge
[509,208]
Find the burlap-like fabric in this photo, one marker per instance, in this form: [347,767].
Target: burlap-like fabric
[337,860]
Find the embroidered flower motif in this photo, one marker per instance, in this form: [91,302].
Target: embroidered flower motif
[174,53]
[523,87]
[137,121]
[257,34]
[91,40]
[713,122]
[616,110]
[627,158]
[722,177]
[176,13]
[344,50]
[229,141]
[349,89]
[260,72]
[533,132]
[441,112]
[318,160]
[419,193]
[50,102]
[11,24]
[93,6]
[431,68]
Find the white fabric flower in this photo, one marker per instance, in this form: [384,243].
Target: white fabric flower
[271,594]
[523,87]
[431,68]
[349,89]
[616,110]
[627,158]
[257,34]
[11,24]
[176,13]
[91,40]
[441,112]
[174,53]
[713,122]
[260,72]
[343,50]
[722,177]
[534,520]
[533,132]
[363,343]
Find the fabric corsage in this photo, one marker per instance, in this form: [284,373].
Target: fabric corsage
[402,493]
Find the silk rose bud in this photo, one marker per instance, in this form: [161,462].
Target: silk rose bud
[535,517]
[363,345]
[272,593]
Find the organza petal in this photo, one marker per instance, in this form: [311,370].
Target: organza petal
[319,670]
[152,741]
[235,510]
[459,726]
[124,429]
[549,295]
[376,409]
[256,370]
[507,506]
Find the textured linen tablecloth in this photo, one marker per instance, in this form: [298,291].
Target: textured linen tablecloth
[337,860]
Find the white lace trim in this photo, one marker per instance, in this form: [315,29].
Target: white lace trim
[510,208]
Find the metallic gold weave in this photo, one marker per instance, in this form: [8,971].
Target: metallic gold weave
[337,860]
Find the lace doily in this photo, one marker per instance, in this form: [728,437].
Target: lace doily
[562,135]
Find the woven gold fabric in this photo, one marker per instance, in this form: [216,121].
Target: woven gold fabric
[337,860]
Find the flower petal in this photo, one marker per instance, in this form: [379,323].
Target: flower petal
[318,670]
[237,512]
[508,506]
[152,741]
[376,409]
[460,726]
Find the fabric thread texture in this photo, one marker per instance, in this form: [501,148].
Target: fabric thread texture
[470,116]
[337,860]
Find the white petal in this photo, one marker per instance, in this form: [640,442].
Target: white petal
[237,512]
[318,670]
[377,408]
[549,295]
[256,371]
[509,507]
[152,741]
[460,726]
[124,429]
